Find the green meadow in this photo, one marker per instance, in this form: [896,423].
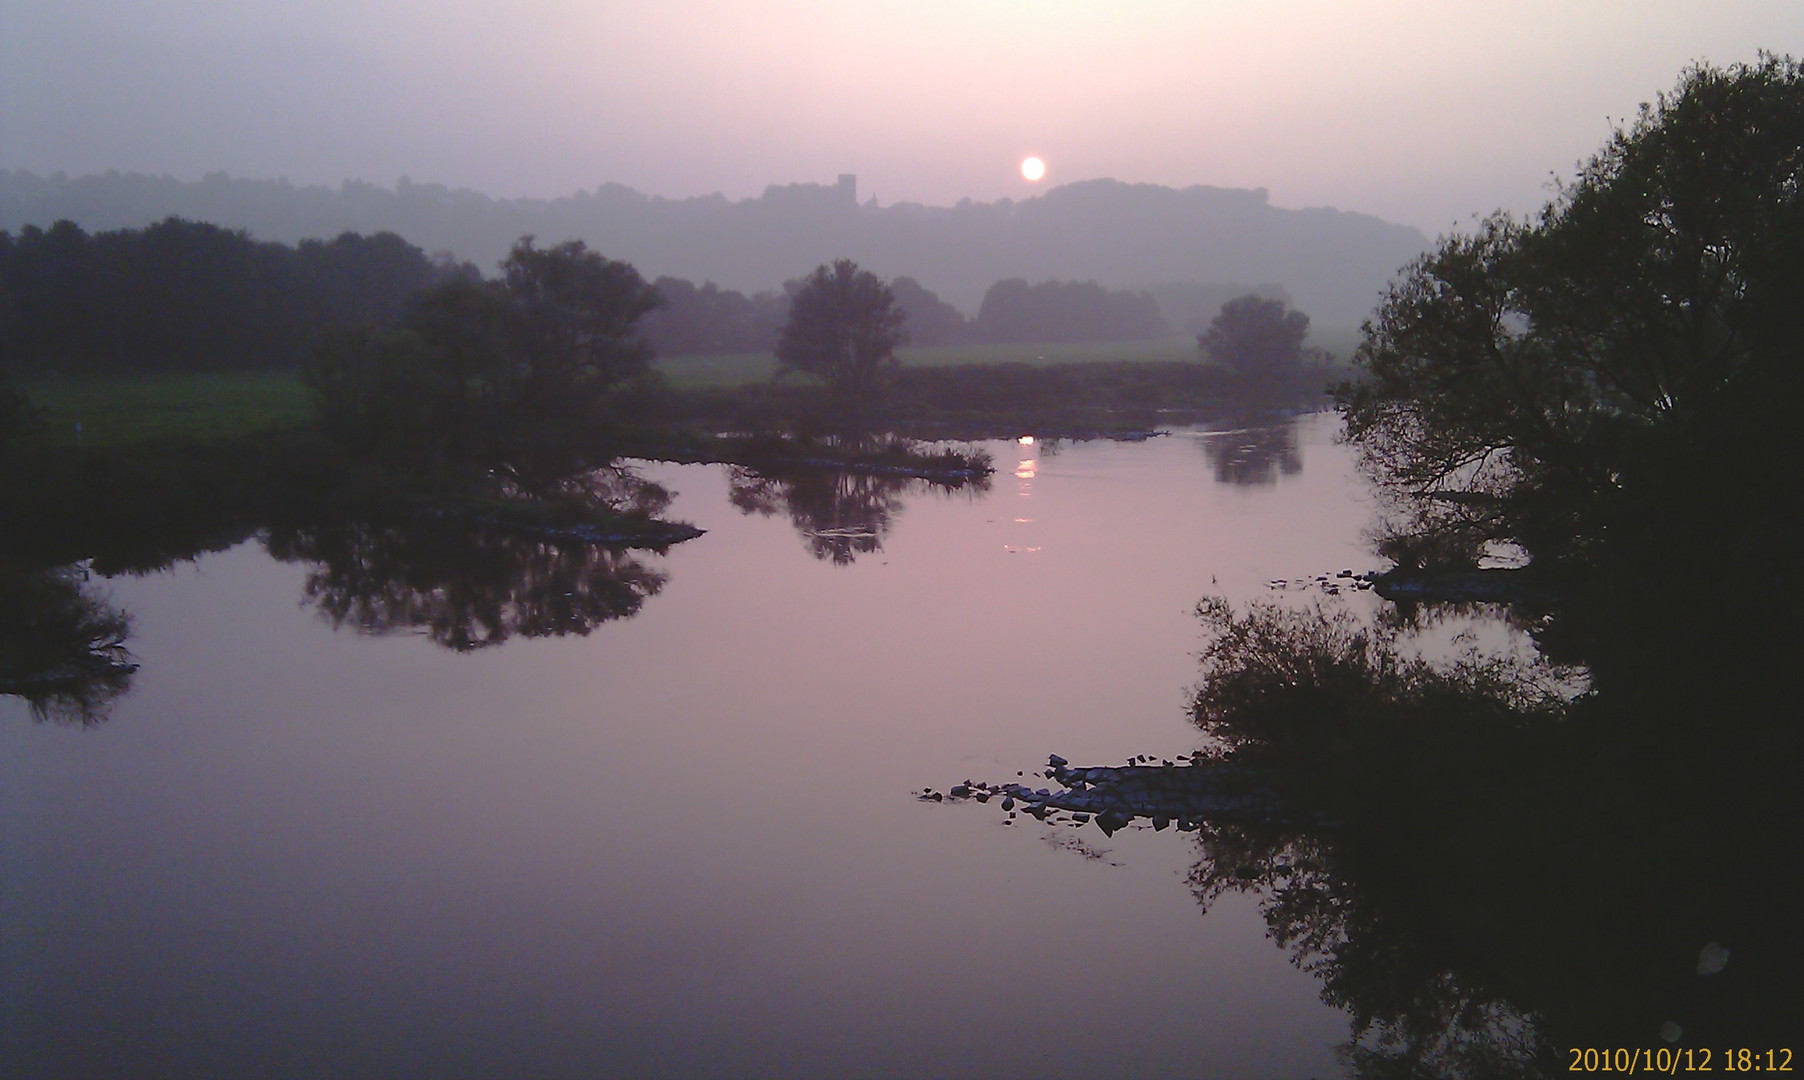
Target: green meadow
[722,370]
[124,410]
[109,411]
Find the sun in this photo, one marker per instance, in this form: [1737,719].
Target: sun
[1033,168]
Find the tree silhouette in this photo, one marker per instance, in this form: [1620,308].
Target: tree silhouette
[514,375]
[1259,340]
[1631,350]
[843,328]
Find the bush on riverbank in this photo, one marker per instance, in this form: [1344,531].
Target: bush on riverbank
[984,401]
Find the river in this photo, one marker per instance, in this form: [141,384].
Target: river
[674,832]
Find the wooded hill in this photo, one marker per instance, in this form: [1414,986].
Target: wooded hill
[1332,263]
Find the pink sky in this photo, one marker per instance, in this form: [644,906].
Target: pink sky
[1422,113]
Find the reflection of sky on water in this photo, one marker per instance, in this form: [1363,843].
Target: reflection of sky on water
[684,843]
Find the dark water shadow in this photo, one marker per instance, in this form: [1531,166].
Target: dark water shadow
[62,645]
[460,588]
[1254,454]
[466,584]
[839,514]
[1490,859]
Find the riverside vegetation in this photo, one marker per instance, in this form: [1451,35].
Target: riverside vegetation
[1493,860]
[447,452]
[1487,860]
[155,391]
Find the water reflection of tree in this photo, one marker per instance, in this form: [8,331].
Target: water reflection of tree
[840,515]
[62,648]
[1515,870]
[463,589]
[1254,455]
[1412,1015]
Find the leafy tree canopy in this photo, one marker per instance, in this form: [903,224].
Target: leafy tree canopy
[513,374]
[844,326]
[1259,340]
[1634,345]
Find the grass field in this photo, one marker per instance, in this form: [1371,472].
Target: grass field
[124,410]
[1055,353]
[738,369]
[715,370]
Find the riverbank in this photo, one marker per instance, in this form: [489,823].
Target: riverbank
[141,505]
[135,471]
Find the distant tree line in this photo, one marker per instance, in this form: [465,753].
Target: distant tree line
[709,319]
[1066,311]
[187,296]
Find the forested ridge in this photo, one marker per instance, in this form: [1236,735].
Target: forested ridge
[184,295]
[1332,263]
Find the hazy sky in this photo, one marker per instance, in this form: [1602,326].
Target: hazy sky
[1420,112]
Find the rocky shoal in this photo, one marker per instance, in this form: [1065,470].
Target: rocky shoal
[1163,794]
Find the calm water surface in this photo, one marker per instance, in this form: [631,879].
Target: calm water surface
[686,843]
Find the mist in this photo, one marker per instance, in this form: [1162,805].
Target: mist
[1416,113]
[1123,236]
[565,539]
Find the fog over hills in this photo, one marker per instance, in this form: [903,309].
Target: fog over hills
[1332,263]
